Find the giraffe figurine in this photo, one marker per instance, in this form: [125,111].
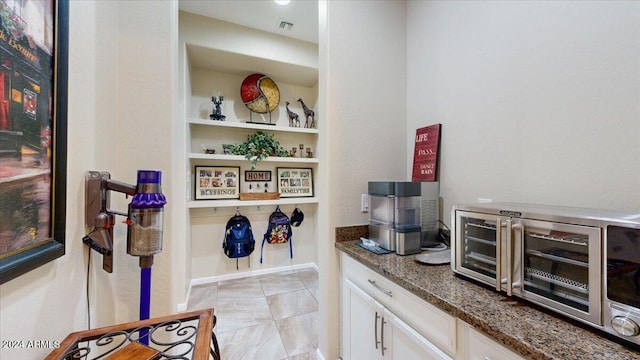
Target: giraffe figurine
[293,117]
[308,114]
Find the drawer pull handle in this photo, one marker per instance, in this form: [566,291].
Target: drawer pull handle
[375,330]
[384,291]
[383,348]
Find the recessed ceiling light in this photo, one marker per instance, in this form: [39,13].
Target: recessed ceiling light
[282,2]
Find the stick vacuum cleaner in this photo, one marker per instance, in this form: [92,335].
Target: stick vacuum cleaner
[144,222]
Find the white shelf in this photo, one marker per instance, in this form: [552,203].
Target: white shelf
[238,64]
[223,157]
[241,125]
[199,204]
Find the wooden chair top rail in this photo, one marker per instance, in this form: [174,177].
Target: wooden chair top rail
[198,338]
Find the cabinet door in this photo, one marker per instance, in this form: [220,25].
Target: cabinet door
[404,343]
[477,346]
[361,321]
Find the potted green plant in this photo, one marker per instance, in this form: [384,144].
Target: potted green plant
[259,146]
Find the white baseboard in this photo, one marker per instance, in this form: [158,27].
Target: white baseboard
[244,274]
[214,279]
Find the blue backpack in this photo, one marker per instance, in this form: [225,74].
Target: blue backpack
[278,232]
[238,238]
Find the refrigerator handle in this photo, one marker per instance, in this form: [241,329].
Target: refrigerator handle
[511,228]
[498,254]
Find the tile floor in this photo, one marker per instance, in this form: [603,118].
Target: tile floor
[271,316]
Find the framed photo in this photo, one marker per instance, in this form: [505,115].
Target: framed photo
[255,176]
[217,182]
[295,182]
[33,134]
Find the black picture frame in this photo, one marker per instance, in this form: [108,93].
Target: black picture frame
[52,72]
[257,175]
[217,182]
[295,182]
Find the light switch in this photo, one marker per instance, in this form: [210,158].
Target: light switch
[365,203]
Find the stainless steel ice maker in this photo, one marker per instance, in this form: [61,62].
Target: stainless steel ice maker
[407,239]
[393,206]
[383,234]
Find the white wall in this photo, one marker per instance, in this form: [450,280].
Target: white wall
[120,86]
[146,84]
[366,101]
[539,101]
[362,101]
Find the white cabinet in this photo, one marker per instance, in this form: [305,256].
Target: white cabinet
[380,316]
[384,321]
[405,343]
[361,316]
[371,331]
[476,346]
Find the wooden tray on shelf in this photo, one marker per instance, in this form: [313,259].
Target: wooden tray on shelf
[260,196]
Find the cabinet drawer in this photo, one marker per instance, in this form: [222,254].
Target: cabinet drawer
[477,346]
[431,322]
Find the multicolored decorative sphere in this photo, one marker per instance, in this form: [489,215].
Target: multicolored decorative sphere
[260,93]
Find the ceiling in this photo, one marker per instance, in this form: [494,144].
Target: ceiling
[263,15]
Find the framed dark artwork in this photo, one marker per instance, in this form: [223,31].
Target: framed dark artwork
[217,182]
[295,182]
[33,133]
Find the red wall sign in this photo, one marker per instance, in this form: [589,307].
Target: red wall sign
[425,156]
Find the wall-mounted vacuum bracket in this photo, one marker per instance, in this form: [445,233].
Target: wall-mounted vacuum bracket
[144,215]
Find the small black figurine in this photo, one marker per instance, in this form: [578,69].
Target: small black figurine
[217,114]
[309,115]
[293,117]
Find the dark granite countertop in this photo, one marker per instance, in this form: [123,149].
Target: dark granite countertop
[528,330]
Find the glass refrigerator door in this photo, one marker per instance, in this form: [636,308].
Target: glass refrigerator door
[561,267]
[479,246]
